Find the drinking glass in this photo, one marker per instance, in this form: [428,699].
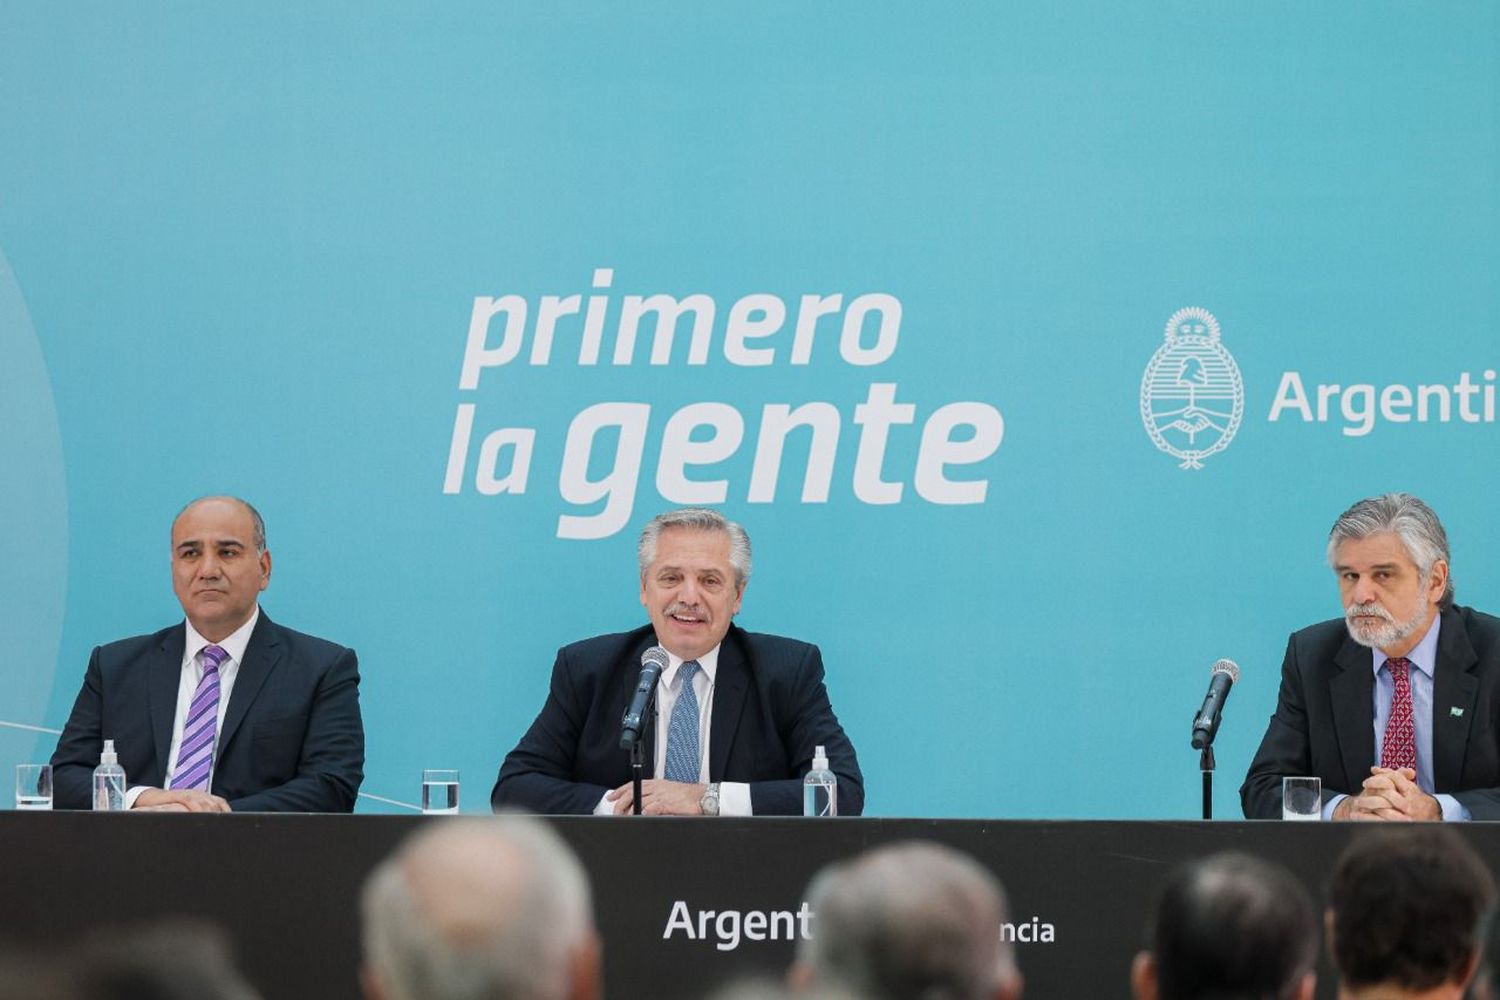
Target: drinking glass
[439,791]
[33,786]
[1302,798]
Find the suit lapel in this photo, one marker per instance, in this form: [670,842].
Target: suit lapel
[262,654]
[1352,691]
[1453,690]
[163,680]
[731,681]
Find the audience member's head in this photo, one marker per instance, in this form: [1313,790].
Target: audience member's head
[914,921]
[1230,927]
[770,990]
[26,975]
[172,960]
[1404,913]
[480,908]
[1487,982]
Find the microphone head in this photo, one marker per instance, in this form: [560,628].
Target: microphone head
[657,657]
[1227,667]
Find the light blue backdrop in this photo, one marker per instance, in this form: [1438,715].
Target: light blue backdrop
[241,253]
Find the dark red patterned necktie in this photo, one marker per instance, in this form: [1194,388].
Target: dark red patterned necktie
[1399,748]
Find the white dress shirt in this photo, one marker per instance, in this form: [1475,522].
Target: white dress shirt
[734,796]
[192,673]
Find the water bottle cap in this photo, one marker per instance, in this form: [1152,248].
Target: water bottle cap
[109,756]
[820,759]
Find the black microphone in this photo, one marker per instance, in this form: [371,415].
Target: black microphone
[1206,722]
[653,662]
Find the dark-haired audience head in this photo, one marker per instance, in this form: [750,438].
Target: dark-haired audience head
[1405,908]
[1487,982]
[913,921]
[481,909]
[1229,927]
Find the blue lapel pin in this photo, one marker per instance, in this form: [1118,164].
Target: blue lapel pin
[1456,712]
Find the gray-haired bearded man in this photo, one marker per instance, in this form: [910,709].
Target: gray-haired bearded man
[1395,706]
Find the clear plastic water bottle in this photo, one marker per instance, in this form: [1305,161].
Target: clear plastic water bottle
[109,781]
[820,789]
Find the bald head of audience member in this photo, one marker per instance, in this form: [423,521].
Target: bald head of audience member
[1405,908]
[495,908]
[914,921]
[1230,927]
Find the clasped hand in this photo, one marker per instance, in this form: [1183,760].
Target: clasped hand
[179,800]
[1389,794]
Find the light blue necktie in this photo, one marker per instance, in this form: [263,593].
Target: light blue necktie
[682,729]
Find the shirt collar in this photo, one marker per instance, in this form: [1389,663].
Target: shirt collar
[1424,656]
[234,644]
[708,663]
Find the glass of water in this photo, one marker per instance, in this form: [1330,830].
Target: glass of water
[439,791]
[1302,798]
[33,786]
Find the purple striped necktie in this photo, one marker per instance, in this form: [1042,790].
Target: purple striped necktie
[195,757]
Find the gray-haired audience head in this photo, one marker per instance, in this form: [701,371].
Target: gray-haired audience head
[769,990]
[1406,517]
[1405,911]
[1230,927]
[174,959]
[696,519]
[912,921]
[495,908]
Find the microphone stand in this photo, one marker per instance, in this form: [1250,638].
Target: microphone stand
[1206,765]
[638,753]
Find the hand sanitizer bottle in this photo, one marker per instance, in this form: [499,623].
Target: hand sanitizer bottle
[109,781]
[820,789]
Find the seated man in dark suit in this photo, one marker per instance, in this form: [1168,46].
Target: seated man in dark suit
[1395,706]
[228,711]
[739,714]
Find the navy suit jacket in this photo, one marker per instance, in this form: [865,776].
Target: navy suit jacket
[292,738]
[1324,722]
[770,711]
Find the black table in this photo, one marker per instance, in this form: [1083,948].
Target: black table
[707,899]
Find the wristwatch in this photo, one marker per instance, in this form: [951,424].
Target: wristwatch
[710,801]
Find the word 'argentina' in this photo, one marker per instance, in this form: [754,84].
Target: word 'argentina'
[727,928]
[695,451]
[1362,404]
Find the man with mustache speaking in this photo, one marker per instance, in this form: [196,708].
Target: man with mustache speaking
[739,714]
[1396,706]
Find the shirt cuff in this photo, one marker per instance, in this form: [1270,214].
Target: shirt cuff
[605,807]
[1453,810]
[734,799]
[131,794]
[1332,804]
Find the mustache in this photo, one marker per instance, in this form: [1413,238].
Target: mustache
[1371,610]
[678,607]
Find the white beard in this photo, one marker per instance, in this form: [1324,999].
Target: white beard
[1384,635]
